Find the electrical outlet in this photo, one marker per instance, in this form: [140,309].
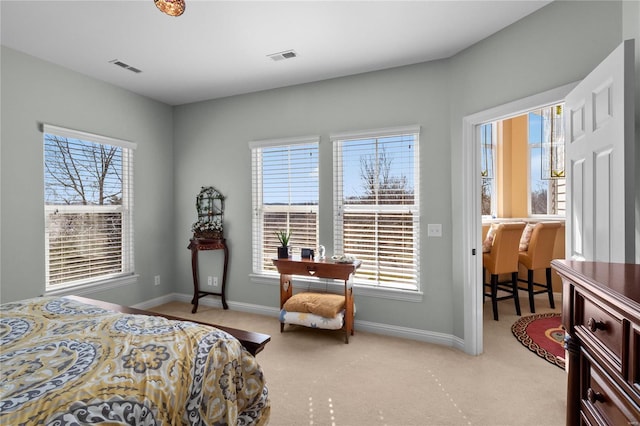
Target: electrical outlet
[210,280]
[434,230]
[215,281]
[156,280]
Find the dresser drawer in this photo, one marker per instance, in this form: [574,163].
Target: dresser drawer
[604,402]
[604,330]
[634,357]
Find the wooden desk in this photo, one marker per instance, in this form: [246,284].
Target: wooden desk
[319,269]
[195,245]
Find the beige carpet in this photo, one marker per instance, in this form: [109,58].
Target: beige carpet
[315,379]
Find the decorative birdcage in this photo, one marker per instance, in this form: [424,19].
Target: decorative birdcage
[210,208]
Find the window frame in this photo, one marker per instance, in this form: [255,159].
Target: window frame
[339,209]
[127,273]
[258,234]
[553,184]
[493,177]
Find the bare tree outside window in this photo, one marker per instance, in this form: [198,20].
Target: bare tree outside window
[78,172]
[379,184]
[539,199]
[487,187]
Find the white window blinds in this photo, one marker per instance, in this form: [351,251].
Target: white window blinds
[376,204]
[88,200]
[285,196]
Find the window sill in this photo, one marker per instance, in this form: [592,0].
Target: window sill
[531,219]
[320,285]
[93,287]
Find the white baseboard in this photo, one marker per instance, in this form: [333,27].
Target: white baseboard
[371,327]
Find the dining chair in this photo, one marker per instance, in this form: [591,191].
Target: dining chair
[537,256]
[503,259]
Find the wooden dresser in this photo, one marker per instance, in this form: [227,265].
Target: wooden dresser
[601,315]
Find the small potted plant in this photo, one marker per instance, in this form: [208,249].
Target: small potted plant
[283,237]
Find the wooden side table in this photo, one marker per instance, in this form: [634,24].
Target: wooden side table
[195,245]
[318,269]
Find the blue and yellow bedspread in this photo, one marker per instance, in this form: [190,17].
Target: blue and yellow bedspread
[63,362]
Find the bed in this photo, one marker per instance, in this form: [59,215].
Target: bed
[68,362]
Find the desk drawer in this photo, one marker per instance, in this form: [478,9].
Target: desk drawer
[340,271]
[604,401]
[602,327]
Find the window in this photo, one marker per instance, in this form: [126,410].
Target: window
[487,169]
[547,184]
[88,209]
[285,196]
[376,205]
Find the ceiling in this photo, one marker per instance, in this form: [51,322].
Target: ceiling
[220,48]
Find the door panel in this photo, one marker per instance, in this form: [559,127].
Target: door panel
[576,197]
[599,185]
[603,200]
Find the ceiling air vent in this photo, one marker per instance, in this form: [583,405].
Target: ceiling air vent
[287,54]
[125,66]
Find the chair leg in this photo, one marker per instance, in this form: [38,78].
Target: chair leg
[484,276]
[550,289]
[514,286]
[532,304]
[494,295]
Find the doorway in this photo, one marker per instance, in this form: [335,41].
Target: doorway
[472,219]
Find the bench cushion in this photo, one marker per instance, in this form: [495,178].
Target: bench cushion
[323,304]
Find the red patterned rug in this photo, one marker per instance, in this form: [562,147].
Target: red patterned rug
[542,334]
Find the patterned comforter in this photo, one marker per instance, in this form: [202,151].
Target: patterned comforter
[67,363]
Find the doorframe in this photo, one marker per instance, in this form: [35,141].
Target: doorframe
[471,215]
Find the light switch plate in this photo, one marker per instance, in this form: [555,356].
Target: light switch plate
[434,230]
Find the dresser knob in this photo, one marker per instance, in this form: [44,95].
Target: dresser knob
[594,325]
[594,396]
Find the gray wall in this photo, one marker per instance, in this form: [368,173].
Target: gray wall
[207,144]
[34,92]
[212,149]
[557,45]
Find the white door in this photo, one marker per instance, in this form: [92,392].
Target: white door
[600,160]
